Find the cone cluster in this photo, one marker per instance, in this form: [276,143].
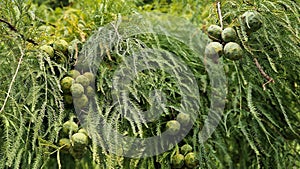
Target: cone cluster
[77,88]
[73,140]
[174,126]
[185,158]
[224,41]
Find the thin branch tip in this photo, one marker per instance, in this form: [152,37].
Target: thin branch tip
[264,74]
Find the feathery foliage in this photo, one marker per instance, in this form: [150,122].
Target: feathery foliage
[259,127]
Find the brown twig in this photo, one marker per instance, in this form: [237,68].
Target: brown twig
[220,13]
[11,27]
[264,74]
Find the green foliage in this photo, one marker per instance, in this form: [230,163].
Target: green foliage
[260,125]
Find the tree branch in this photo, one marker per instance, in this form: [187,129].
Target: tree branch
[11,27]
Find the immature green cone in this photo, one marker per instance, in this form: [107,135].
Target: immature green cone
[90,76]
[82,130]
[184,119]
[77,90]
[173,127]
[83,80]
[73,73]
[214,32]
[79,141]
[81,102]
[186,149]
[233,51]
[229,35]
[69,127]
[66,84]
[90,92]
[177,161]
[252,21]
[213,48]
[190,160]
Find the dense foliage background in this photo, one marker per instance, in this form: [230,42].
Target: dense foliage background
[260,125]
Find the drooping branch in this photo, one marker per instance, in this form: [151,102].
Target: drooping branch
[263,73]
[12,28]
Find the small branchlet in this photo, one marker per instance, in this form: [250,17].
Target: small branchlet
[263,73]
